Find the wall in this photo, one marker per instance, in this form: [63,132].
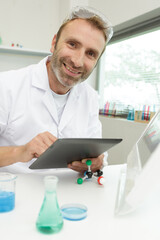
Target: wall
[15,59]
[124,10]
[30,23]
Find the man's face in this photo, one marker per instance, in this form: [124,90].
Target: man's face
[77,52]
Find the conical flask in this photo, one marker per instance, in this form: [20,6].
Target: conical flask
[50,218]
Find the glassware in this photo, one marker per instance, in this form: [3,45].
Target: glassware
[7,191]
[74,211]
[50,219]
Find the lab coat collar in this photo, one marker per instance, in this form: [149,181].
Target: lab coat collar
[40,77]
[40,80]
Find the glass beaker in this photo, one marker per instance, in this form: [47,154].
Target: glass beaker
[7,191]
[50,219]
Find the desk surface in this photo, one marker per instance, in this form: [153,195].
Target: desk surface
[100,223]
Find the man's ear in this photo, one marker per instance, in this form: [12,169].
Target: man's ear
[53,43]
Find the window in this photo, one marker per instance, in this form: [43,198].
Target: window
[130,75]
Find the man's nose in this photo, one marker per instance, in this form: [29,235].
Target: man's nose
[78,58]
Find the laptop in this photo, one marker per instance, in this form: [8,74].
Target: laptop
[142,171]
[66,150]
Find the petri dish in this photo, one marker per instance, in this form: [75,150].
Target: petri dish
[74,212]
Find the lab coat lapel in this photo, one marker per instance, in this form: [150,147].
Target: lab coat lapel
[40,81]
[48,100]
[70,108]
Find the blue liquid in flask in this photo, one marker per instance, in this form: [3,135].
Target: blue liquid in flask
[7,201]
[50,219]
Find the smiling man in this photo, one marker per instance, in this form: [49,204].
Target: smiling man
[74,58]
[51,100]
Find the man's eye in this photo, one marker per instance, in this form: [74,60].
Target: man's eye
[91,54]
[72,44]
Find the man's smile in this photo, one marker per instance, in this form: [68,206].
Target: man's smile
[71,71]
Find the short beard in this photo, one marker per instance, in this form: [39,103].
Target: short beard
[56,65]
[60,77]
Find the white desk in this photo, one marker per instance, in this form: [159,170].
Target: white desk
[100,200]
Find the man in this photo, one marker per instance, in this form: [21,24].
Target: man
[50,100]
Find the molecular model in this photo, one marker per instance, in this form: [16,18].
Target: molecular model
[89,174]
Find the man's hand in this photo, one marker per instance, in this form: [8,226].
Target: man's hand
[25,153]
[37,145]
[81,166]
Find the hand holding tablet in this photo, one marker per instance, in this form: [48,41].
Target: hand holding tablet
[67,150]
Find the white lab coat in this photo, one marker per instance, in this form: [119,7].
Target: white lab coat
[27,108]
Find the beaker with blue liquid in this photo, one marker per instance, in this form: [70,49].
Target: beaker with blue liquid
[50,219]
[7,191]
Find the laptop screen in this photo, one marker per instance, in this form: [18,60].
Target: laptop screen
[141,169]
[149,140]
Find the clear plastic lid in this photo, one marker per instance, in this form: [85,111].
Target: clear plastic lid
[74,212]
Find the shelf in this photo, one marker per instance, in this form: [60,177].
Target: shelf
[23,51]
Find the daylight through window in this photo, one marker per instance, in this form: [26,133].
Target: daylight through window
[130,75]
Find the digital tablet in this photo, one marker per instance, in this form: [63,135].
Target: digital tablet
[67,150]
